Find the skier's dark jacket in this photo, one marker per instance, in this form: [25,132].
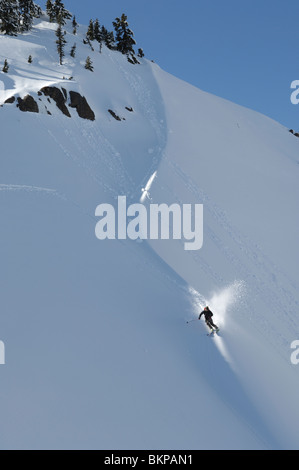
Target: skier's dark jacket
[207,313]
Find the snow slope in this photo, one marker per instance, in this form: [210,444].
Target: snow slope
[98,352]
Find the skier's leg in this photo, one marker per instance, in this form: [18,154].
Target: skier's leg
[212,325]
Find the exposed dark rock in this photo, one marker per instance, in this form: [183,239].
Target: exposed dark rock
[80,104]
[60,97]
[296,134]
[57,95]
[114,115]
[10,100]
[129,109]
[27,104]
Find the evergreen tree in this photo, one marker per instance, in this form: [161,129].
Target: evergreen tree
[28,10]
[49,6]
[10,17]
[124,36]
[61,14]
[75,25]
[104,33]
[108,38]
[88,64]
[37,11]
[90,31]
[5,66]
[87,41]
[50,11]
[61,42]
[73,50]
[140,53]
[97,31]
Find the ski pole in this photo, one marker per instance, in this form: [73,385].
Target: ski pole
[191,320]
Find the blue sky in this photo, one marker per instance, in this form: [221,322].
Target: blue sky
[245,51]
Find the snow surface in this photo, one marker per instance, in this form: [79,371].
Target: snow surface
[98,351]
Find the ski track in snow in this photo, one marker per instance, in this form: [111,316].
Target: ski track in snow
[20,187]
[95,153]
[48,192]
[258,272]
[148,105]
[93,165]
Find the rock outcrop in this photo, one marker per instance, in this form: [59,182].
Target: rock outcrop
[10,100]
[80,104]
[59,97]
[27,104]
[296,134]
[113,114]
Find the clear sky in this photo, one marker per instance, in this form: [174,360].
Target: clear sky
[245,51]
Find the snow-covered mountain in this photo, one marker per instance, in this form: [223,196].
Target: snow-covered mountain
[98,351]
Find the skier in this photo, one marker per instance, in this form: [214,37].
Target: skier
[208,317]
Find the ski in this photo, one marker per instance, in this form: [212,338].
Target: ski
[213,331]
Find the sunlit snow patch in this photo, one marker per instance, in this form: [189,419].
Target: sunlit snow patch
[220,303]
[1,92]
[145,191]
